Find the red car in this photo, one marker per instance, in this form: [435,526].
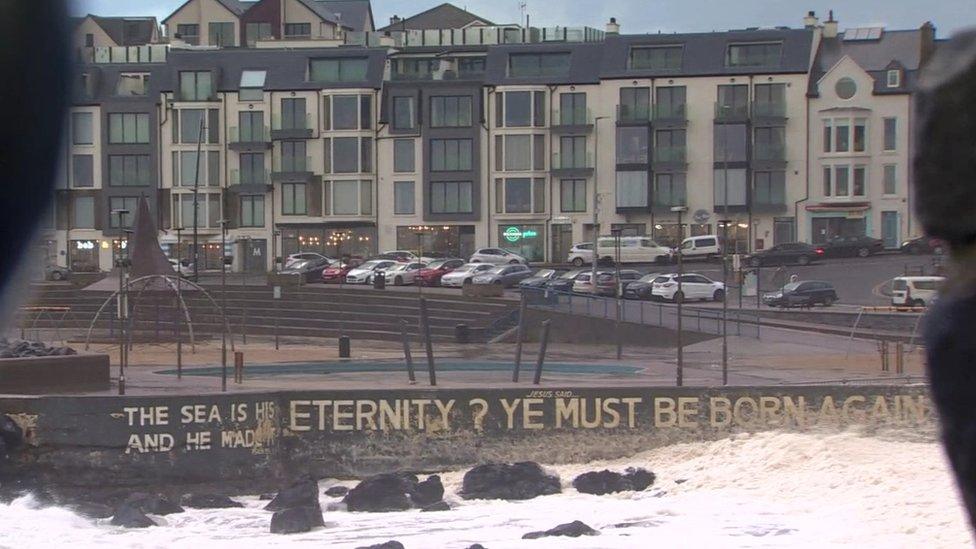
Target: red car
[337,272]
[432,273]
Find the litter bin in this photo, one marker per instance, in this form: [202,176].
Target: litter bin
[344,350]
[379,280]
[462,333]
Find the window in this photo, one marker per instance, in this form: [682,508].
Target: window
[827,180]
[470,66]
[298,30]
[251,127]
[293,199]
[191,124]
[293,157]
[415,69]
[196,86]
[669,146]
[293,115]
[670,102]
[631,189]
[518,152]
[450,155]
[83,213]
[733,101]
[189,33]
[257,31]
[252,86]
[770,144]
[770,100]
[845,88]
[221,34]
[252,169]
[365,112]
[770,188]
[351,69]
[572,152]
[632,145]
[352,197]
[572,109]
[450,197]
[403,198]
[207,210]
[860,135]
[663,58]
[635,105]
[450,112]
[860,180]
[754,55]
[403,113]
[842,180]
[185,169]
[132,84]
[128,128]
[894,78]
[730,143]
[518,195]
[890,184]
[669,190]
[252,210]
[522,65]
[572,195]
[345,112]
[81,128]
[89,40]
[518,109]
[890,134]
[116,203]
[736,187]
[128,170]
[842,135]
[82,171]
[403,155]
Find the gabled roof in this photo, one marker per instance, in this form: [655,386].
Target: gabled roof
[320,9]
[444,16]
[125,31]
[894,48]
[356,14]
[236,7]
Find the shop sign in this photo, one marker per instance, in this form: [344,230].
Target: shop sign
[514,234]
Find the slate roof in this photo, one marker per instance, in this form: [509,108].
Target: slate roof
[584,63]
[356,14]
[234,6]
[896,47]
[125,31]
[444,16]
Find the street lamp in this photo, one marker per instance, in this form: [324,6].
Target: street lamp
[725,249]
[245,256]
[596,197]
[680,296]
[123,305]
[420,231]
[179,303]
[223,304]
[619,285]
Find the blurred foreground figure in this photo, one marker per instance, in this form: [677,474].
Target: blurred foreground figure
[945,201]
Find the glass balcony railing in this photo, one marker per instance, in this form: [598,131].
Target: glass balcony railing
[572,117]
[725,111]
[670,154]
[769,153]
[765,108]
[571,161]
[296,122]
[288,164]
[670,111]
[250,134]
[665,199]
[249,178]
[634,114]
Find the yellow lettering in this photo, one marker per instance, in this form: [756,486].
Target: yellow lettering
[795,410]
[365,414]
[390,415]
[567,409]
[769,408]
[613,416]
[632,403]
[529,415]
[720,412]
[296,415]
[848,410]
[664,414]
[687,410]
[338,415]
[510,410]
[742,418]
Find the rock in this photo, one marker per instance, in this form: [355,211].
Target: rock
[4,454]
[439,506]
[266,497]
[392,544]
[129,516]
[296,520]
[609,482]
[476,546]
[10,432]
[573,529]
[336,491]
[380,493]
[515,481]
[92,510]
[209,501]
[428,492]
[152,504]
[304,493]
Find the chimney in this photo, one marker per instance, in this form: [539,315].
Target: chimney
[810,21]
[613,27]
[394,20]
[830,26]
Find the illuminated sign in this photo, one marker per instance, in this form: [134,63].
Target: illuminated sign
[84,244]
[514,234]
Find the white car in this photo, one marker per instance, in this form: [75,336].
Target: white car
[403,273]
[464,274]
[701,247]
[581,254]
[633,249]
[184,268]
[915,291]
[363,274]
[497,256]
[693,286]
[295,258]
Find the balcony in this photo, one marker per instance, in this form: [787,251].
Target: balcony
[249,138]
[730,113]
[667,115]
[292,127]
[572,165]
[291,169]
[253,183]
[670,155]
[770,153]
[633,115]
[572,121]
[663,201]
[769,199]
[768,113]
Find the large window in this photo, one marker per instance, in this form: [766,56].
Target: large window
[733,101]
[736,191]
[293,115]
[351,69]
[293,199]
[352,197]
[631,189]
[252,210]
[252,169]
[403,113]
[843,135]
[770,100]
[890,183]
[196,86]
[185,169]
[207,210]
[450,111]
[669,190]
[572,195]
[132,84]
[658,58]
[294,157]
[82,170]
[349,155]
[128,170]
[251,127]
[770,144]
[81,128]
[518,195]
[186,125]
[520,152]
[632,145]
[669,146]
[670,102]
[189,33]
[572,152]
[754,55]
[298,30]
[257,31]
[845,180]
[252,86]
[116,203]
[345,112]
[730,143]
[83,213]
[521,109]
[221,34]
[450,155]
[450,197]
[403,155]
[403,198]
[635,105]
[769,189]
[521,65]
[572,109]
[890,134]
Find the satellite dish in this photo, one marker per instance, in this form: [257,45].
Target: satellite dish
[701,216]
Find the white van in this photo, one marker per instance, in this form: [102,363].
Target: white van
[633,249]
[704,247]
[915,291]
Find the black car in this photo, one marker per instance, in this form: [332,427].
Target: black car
[923,245]
[785,254]
[540,278]
[564,282]
[802,294]
[640,288]
[309,269]
[851,246]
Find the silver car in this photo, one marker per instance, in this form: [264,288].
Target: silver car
[403,273]
[504,275]
[464,274]
[363,274]
[497,256]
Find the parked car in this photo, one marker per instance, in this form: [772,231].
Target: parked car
[693,286]
[432,273]
[923,245]
[183,268]
[606,282]
[581,254]
[915,291]
[582,284]
[540,278]
[802,294]
[633,249]
[565,281]
[504,275]
[403,274]
[295,258]
[430,257]
[56,272]
[336,273]
[785,254]
[497,256]
[641,288]
[850,246]
[310,270]
[400,256]
[363,274]
[701,247]
[464,274]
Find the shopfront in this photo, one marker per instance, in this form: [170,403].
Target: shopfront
[527,240]
[832,220]
[334,240]
[450,240]
[83,256]
[736,236]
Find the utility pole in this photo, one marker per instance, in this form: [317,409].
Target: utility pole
[596,198]
[196,199]
[725,253]
[681,358]
[223,304]
[123,305]
[179,303]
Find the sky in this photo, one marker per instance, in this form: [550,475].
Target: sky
[645,16]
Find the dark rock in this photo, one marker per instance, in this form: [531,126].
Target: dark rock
[266,497]
[427,492]
[4,453]
[304,493]
[573,529]
[92,510]
[640,478]
[296,520]
[209,501]
[380,493]
[392,544]
[439,506]
[476,546]
[609,482]
[10,432]
[129,516]
[152,504]
[523,480]
[336,491]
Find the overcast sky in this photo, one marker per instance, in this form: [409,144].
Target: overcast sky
[640,16]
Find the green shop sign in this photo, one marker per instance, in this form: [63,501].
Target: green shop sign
[514,234]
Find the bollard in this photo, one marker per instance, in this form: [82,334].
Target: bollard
[428,347]
[238,366]
[544,342]
[406,352]
[899,357]
[344,347]
[462,334]
[518,340]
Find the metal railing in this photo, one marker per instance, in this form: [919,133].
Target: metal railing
[776,109]
[670,112]
[731,112]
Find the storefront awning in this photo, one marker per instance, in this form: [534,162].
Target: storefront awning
[839,208]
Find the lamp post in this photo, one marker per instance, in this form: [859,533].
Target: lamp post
[246,255]
[196,203]
[223,304]
[619,286]
[725,250]
[681,359]
[420,231]
[596,197]
[123,305]
[179,303]
[275,235]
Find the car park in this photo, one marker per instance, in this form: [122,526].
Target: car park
[633,249]
[403,274]
[310,270]
[692,286]
[363,274]
[923,245]
[303,256]
[540,278]
[802,294]
[336,273]
[915,291]
[503,275]
[581,254]
[701,247]
[786,254]
[565,281]
[431,274]
[641,288]
[497,256]
[851,246]
[464,274]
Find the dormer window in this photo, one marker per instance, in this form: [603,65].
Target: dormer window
[252,86]
[894,78]
[754,55]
